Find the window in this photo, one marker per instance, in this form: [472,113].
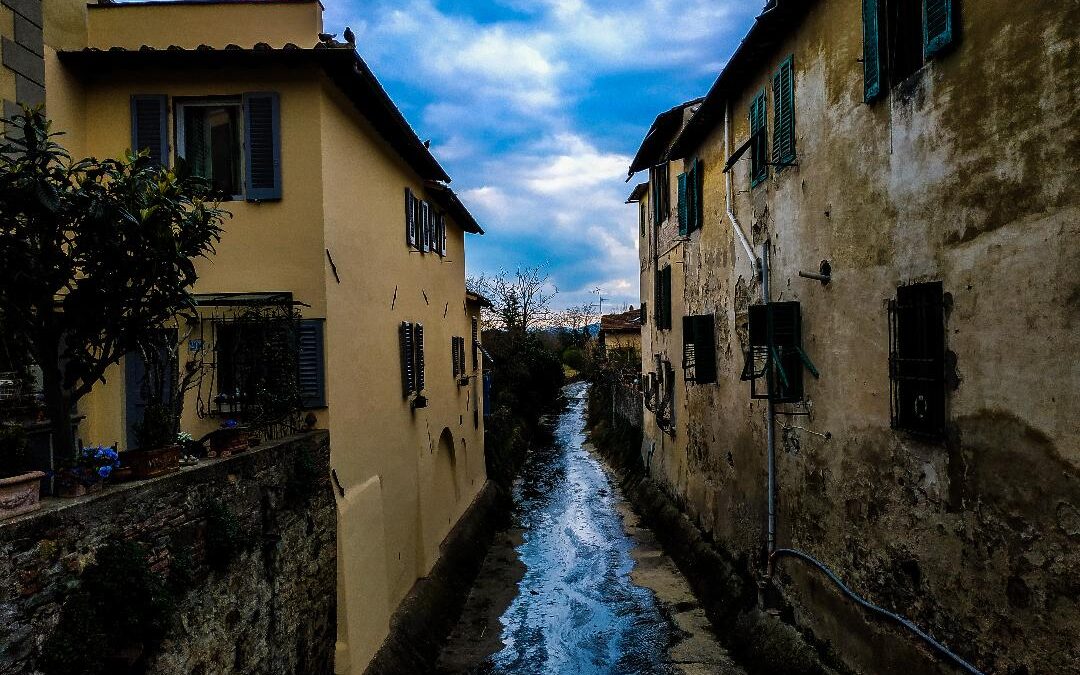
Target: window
[775,352]
[425,227]
[643,217]
[784,114]
[917,359]
[899,36]
[208,135]
[759,140]
[662,313]
[691,215]
[233,142]
[475,343]
[411,338]
[699,349]
[457,349]
[660,196]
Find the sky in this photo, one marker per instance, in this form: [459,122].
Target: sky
[535,109]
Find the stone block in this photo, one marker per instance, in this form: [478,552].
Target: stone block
[23,61]
[29,35]
[29,9]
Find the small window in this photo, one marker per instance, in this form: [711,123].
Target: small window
[411,339]
[759,140]
[699,349]
[209,139]
[662,312]
[660,193]
[475,343]
[643,217]
[899,36]
[784,114]
[457,349]
[253,357]
[775,356]
[904,29]
[917,359]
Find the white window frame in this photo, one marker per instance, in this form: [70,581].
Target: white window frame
[215,102]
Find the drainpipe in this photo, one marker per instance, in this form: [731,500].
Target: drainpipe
[727,184]
[770,414]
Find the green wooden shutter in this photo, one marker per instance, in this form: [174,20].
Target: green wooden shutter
[262,146]
[705,349]
[683,214]
[311,360]
[784,114]
[475,343]
[150,126]
[689,345]
[408,369]
[937,26]
[696,195]
[654,196]
[759,149]
[872,89]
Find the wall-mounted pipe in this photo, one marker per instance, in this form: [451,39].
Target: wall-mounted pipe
[866,604]
[727,184]
[770,414]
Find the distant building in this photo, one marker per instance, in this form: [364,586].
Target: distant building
[339,212]
[860,253]
[620,337]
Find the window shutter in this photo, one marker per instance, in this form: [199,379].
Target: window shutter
[312,363]
[705,349]
[425,227]
[784,114]
[475,342]
[937,26]
[683,214]
[262,145]
[408,370]
[759,149]
[418,346]
[872,89]
[689,344]
[694,196]
[442,234]
[644,313]
[149,126]
[410,218]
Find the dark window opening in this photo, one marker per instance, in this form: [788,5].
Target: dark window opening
[917,359]
[904,28]
[775,356]
[660,189]
[210,142]
[699,349]
[662,311]
[759,140]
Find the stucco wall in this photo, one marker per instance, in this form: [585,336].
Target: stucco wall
[418,470]
[967,176]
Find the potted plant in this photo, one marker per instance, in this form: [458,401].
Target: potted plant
[230,439]
[20,491]
[93,464]
[158,452]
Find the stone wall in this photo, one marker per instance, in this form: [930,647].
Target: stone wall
[252,539]
[627,404]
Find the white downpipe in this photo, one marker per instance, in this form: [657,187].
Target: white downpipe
[727,184]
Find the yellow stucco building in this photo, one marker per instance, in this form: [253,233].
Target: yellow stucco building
[338,209]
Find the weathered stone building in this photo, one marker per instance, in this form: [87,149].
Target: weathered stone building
[921,157]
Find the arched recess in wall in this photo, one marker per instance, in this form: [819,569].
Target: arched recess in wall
[446,484]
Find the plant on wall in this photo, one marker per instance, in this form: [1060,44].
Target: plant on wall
[94,255]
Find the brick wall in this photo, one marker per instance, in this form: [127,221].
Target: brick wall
[269,608]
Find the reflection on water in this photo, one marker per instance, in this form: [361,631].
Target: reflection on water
[577,610]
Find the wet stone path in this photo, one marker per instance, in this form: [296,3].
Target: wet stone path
[577,585]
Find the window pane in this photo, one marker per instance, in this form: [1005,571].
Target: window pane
[212,145]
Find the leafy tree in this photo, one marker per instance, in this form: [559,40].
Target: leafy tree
[95,255]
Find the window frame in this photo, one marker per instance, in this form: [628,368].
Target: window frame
[216,101]
[920,374]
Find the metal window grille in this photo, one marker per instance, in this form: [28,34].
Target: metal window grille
[917,401]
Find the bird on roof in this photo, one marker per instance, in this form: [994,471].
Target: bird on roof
[427,143]
[350,37]
[327,37]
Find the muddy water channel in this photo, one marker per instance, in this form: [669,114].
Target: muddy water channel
[576,585]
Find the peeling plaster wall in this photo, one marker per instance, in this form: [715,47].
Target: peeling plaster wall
[966,174]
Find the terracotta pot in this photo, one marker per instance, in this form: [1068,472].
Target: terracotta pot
[226,442]
[75,488]
[122,474]
[151,463]
[20,494]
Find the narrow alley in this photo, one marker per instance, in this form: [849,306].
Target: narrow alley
[576,584]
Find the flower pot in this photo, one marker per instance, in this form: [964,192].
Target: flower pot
[20,494]
[122,474]
[229,441]
[76,488]
[151,463]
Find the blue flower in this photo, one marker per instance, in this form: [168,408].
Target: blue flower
[105,471]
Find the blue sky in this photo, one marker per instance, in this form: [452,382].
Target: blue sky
[535,108]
